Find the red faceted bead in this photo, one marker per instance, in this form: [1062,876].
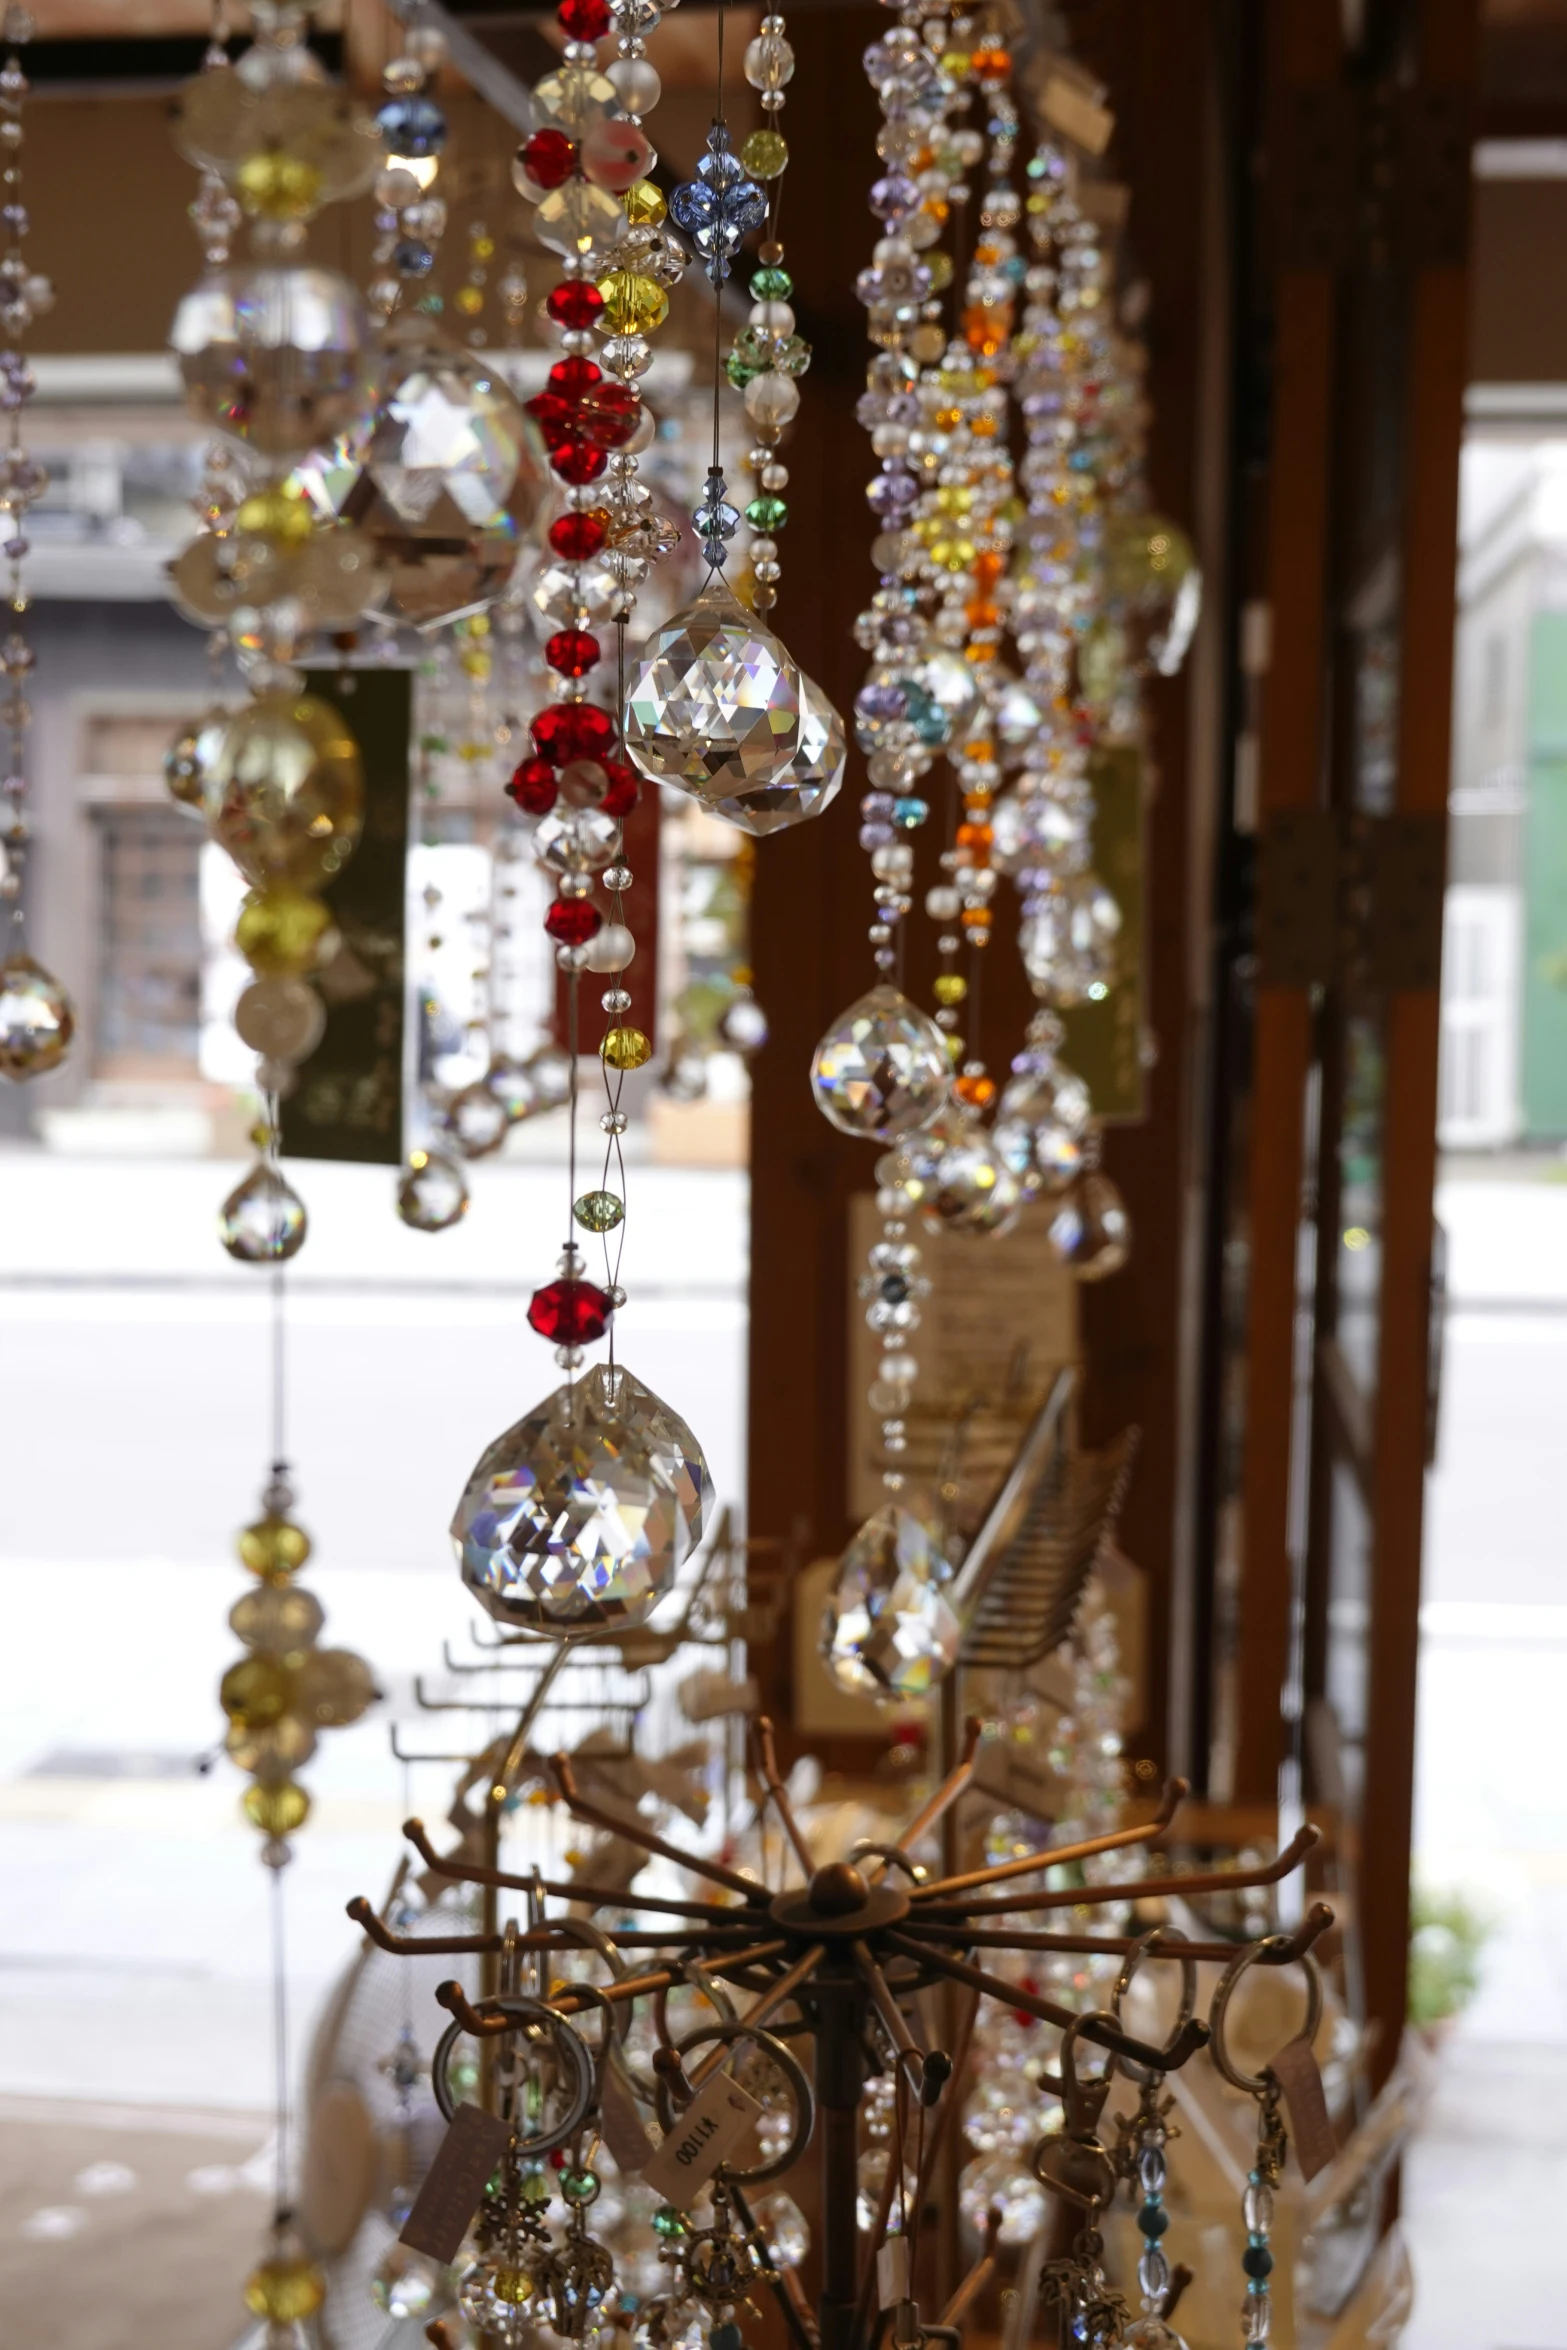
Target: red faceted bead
[577,463]
[551,408]
[577,536]
[573,377]
[572,730]
[533,787]
[571,922]
[609,415]
[572,652]
[549,158]
[584,20]
[572,1313]
[620,794]
[575,303]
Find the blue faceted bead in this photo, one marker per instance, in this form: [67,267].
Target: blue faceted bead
[412,126]
[1153,2219]
[726,2337]
[910,813]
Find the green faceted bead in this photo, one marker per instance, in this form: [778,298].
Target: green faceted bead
[767,513]
[599,1211]
[579,2186]
[771,285]
[741,370]
[668,2222]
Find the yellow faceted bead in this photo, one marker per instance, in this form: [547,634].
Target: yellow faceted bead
[951,988]
[940,267]
[278,1811]
[285,2290]
[474,661]
[626,1048]
[278,187]
[953,498]
[256,1692]
[276,515]
[271,1754]
[765,154]
[645,205]
[632,305]
[513,2286]
[335,1687]
[274,1548]
[279,931]
[483,248]
[470,300]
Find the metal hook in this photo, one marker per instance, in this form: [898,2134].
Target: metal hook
[1254,1954]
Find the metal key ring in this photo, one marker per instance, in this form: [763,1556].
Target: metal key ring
[1164,1937]
[1072,2161]
[708,2035]
[567,2041]
[1257,2085]
[591,1937]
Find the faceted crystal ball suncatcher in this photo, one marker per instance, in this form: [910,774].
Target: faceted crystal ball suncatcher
[576,1520]
[276,359]
[889,1629]
[882,1068]
[36,1019]
[719,710]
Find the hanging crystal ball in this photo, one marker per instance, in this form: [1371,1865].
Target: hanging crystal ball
[433,1194]
[717,710]
[882,1068]
[577,1519]
[889,1630]
[1041,1120]
[36,1019]
[953,1172]
[263,1221]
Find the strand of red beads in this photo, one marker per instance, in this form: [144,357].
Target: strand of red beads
[585,168]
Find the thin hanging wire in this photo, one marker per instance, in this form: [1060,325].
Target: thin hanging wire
[280,2050]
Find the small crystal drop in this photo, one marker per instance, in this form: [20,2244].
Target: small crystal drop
[478,1118]
[953,1172]
[433,1194]
[1091,1230]
[889,1629]
[881,1068]
[1153,2273]
[37,1021]
[263,1221]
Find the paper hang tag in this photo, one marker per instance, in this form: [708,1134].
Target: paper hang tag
[892,2272]
[1311,2126]
[473,2145]
[619,2119]
[706,1696]
[1068,108]
[713,2123]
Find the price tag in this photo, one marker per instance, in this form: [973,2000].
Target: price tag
[473,2145]
[707,1696]
[892,2272]
[1311,2125]
[619,2119]
[1069,109]
[712,2125]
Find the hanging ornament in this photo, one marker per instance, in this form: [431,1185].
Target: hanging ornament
[1043,1114]
[1090,1229]
[881,1068]
[889,1629]
[263,1220]
[433,1194]
[37,1020]
[957,1176]
[577,1519]
[719,710]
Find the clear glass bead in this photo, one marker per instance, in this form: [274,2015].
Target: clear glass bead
[1257,2209]
[263,1221]
[882,1067]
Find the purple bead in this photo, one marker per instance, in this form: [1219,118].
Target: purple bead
[876,804]
[881,701]
[894,197]
[876,836]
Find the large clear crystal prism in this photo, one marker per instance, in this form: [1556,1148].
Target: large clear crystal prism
[454,475]
[882,1067]
[719,710]
[575,1521]
[889,1629]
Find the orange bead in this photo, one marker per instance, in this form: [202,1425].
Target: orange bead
[988,566]
[981,615]
[978,1092]
[979,748]
[976,918]
[975,836]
